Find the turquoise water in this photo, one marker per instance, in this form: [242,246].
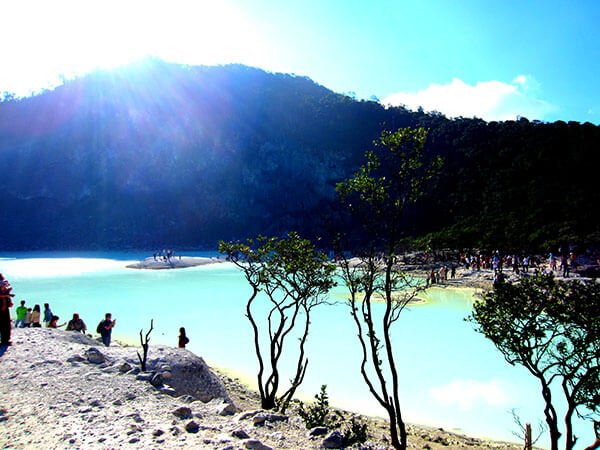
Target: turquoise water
[450,375]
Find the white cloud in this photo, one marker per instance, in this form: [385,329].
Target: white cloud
[489,100]
[520,79]
[468,393]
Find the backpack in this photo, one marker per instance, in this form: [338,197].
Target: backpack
[99,328]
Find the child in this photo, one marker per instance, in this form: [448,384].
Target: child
[28,318]
[183,339]
[54,323]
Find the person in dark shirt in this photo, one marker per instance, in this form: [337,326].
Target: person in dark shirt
[5,303]
[105,328]
[76,324]
[183,339]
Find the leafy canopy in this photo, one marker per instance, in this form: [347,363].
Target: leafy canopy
[552,328]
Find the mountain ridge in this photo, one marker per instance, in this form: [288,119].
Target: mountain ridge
[159,154]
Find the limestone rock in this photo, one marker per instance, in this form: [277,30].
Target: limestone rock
[248,414]
[190,375]
[255,444]
[272,417]
[333,440]
[157,380]
[137,418]
[240,434]
[259,419]
[144,376]
[278,436]
[192,427]
[166,389]
[318,431]
[75,359]
[95,356]
[183,412]
[124,367]
[228,409]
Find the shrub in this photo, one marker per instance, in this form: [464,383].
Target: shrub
[319,414]
[316,414]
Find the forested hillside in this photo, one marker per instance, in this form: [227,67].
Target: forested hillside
[159,154]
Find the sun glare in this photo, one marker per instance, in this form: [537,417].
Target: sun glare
[49,40]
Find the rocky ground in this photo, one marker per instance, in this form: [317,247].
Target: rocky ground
[62,389]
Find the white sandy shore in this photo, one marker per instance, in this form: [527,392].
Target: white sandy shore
[52,395]
[173,263]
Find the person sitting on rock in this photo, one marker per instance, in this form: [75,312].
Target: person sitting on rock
[76,324]
[54,323]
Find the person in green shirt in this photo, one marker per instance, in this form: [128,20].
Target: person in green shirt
[21,314]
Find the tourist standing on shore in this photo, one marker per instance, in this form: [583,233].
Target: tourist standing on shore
[28,318]
[105,328]
[36,317]
[5,304]
[183,339]
[47,314]
[565,265]
[21,314]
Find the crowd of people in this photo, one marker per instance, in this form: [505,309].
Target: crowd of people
[164,255]
[500,264]
[33,317]
[27,317]
[562,265]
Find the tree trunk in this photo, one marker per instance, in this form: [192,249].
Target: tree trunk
[267,402]
[550,414]
[570,438]
[528,442]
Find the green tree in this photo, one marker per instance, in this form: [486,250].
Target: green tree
[552,328]
[393,178]
[293,278]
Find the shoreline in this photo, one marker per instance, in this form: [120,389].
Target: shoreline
[465,279]
[177,262]
[52,395]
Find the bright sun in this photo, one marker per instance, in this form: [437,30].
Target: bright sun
[44,39]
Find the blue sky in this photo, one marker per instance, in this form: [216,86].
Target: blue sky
[495,60]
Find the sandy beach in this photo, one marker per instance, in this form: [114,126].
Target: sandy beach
[175,262]
[62,389]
